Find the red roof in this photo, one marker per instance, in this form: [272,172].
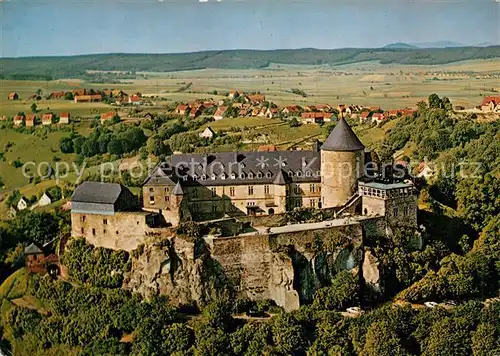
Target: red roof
[108,115]
[182,107]
[135,98]
[257,98]
[31,117]
[488,99]
[18,117]
[64,114]
[267,148]
[47,116]
[378,116]
[364,114]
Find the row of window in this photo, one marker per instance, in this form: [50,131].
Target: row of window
[406,211]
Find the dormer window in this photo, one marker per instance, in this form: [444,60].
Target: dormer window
[308,173]
[268,175]
[259,175]
[195,177]
[250,175]
[243,175]
[223,176]
[290,173]
[214,177]
[242,165]
[233,175]
[204,177]
[299,173]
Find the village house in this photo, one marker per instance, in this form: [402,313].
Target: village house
[219,114]
[47,119]
[45,200]
[135,99]
[108,116]
[64,118]
[255,99]
[13,96]
[291,110]
[30,120]
[233,94]
[18,120]
[378,117]
[57,95]
[182,109]
[37,262]
[315,117]
[491,104]
[88,98]
[267,148]
[195,111]
[393,113]
[272,113]
[208,133]
[244,113]
[4,118]
[79,92]
[323,107]
[424,170]
[364,116]
[309,108]
[22,204]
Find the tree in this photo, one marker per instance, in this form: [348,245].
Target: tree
[450,336]
[382,340]
[69,96]
[156,146]
[342,293]
[434,101]
[293,122]
[34,108]
[115,147]
[66,145]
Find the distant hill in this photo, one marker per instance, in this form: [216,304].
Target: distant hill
[47,68]
[438,44]
[400,45]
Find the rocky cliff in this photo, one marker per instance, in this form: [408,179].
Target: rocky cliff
[287,268]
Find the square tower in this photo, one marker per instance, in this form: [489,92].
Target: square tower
[396,201]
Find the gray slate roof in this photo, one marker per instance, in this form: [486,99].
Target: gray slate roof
[178,189]
[247,167]
[342,138]
[97,192]
[32,250]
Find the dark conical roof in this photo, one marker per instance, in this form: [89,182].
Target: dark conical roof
[342,138]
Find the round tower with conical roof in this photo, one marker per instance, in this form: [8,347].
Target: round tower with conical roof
[342,164]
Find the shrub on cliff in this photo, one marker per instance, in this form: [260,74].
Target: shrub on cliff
[97,266]
[342,293]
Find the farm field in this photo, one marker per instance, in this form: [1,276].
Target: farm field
[367,83]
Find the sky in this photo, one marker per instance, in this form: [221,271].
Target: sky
[69,27]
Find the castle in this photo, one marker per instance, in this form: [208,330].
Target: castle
[231,184]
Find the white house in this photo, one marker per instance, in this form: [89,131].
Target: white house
[207,133]
[45,200]
[22,204]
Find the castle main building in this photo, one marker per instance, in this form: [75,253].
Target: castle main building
[257,183]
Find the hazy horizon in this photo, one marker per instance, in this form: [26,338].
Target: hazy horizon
[72,27]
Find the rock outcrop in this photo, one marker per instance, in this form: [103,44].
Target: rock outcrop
[372,272]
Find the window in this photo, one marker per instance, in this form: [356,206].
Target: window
[250,175]
[105,221]
[308,173]
[250,190]
[83,231]
[195,193]
[204,177]
[312,203]
[266,189]
[231,191]
[214,191]
[93,232]
[296,189]
[195,208]
[298,203]
[233,175]
[395,212]
[104,231]
[242,175]
[151,200]
[406,211]
[268,174]
[83,218]
[195,177]
[151,190]
[312,188]
[167,198]
[214,208]
[213,177]
[259,175]
[290,173]
[299,173]
[167,191]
